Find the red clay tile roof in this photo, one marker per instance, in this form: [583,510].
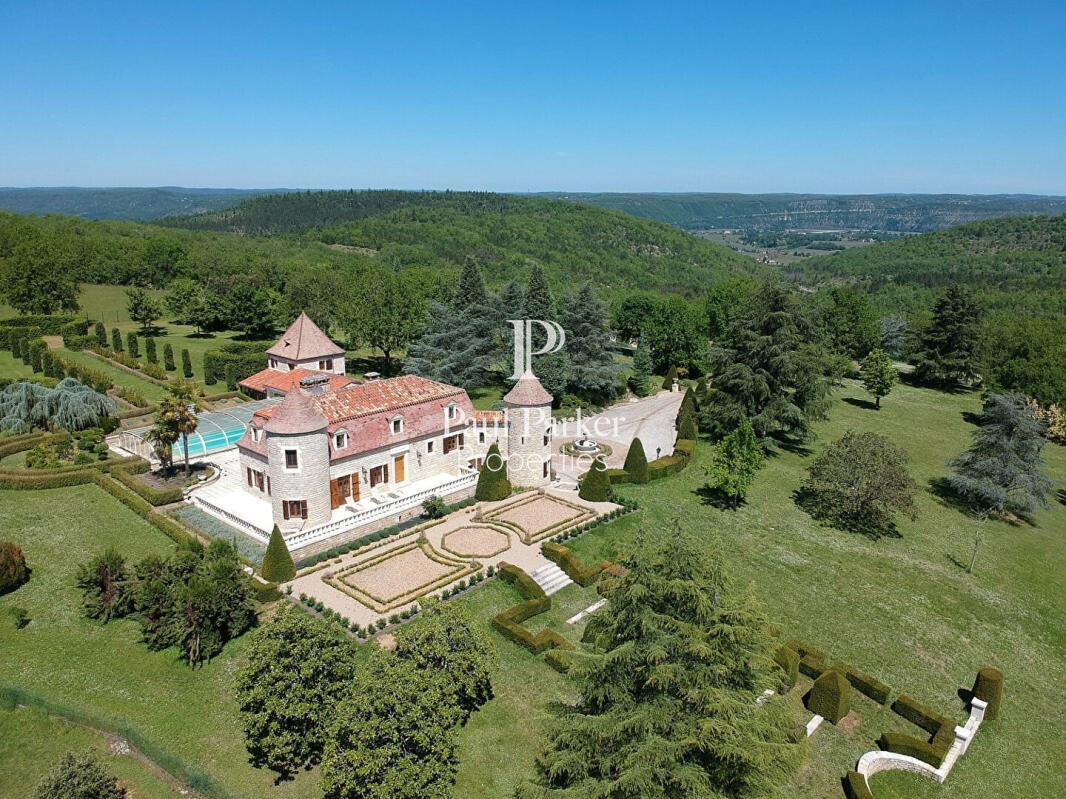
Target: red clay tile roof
[284,381]
[304,339]
[489,417]
[528,392]
[295,414]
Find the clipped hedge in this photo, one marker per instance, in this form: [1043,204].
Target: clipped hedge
[166,525]
[830,697]
[864,683]
[154,496]
[661,467]
[919,715]
[988,687]
[570,563]
[788,659]
[509,622]
[912,747]
[234,361]
[855,786]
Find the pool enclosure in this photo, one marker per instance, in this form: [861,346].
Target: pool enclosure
[215,431]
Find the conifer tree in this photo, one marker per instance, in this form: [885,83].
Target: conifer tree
[150,351]
[641,382]
[636,465]
[168,357]
[78,776]
[131,345]
[596,483]
[1003,470]
[186,364]
[688,430]
[670,708]
[671,376]
[492,482]
[116,339]
[539,303]
[878,375]
[950,345]
[512,298]
[278,566]
[100,333]
[593,373]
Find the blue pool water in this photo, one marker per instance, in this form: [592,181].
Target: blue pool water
[217,430]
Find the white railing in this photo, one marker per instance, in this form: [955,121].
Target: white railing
[230,518]
[303,538]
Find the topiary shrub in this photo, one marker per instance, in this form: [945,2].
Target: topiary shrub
[688,430]
[864,683]
[989,688]
[100,334]
[13,571]
[671,376]
[788,659]
[186,364]
[150,351]
[855,786]
[132,347]
[636,465]
[492,482]
[278,566]
[168,357]
[595,483]
[830,697]
[116,339]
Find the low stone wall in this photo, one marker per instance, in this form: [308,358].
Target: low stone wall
[374,526]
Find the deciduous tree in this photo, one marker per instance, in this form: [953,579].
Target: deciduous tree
[735,461]
[78,776]
[878,375]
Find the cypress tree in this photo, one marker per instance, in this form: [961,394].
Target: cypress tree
[186,363]
[636,465]
[669,709]
[492,482]
[278,566]
[101,334]
[24,351]
[116,339]
[671,376]
[131,345]
[641,383]
[168,357]
[688,429]
[596,484]
[150,351]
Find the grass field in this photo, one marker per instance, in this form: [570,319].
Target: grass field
[12,367]
[900,608]
[105,669]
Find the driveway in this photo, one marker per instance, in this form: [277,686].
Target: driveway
[650,419]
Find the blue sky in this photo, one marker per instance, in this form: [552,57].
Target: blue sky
[508,96]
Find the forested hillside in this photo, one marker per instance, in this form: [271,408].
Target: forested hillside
[911,213]
[506,234]
[122,203]
[1017,264]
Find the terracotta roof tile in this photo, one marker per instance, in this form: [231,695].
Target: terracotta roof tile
[528,392]
[284,381]
[296,414]
[304,339]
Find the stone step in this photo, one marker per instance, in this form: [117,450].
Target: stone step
[551,578]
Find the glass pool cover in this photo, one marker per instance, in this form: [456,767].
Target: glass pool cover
[216,430]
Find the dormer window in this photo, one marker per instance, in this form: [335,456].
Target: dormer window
[340,439]
[452,412]
[396,425]
[257,434]
[326,365]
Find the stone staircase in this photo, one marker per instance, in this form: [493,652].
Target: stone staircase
[551,578]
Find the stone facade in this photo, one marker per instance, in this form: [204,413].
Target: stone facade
[308,481]
[529,437]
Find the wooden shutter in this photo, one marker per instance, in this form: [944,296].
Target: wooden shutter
[398,465]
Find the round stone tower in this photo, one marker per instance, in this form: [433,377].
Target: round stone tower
[298,462]
[529,432]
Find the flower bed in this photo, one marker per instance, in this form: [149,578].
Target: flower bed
[476,541]
[540,516]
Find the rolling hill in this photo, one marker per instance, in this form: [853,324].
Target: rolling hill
[1014,264]
[574,242]
[122,203]
[908,213]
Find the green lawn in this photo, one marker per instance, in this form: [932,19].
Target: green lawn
[105,669]
[900,608]
[12,367]
[34,742]
[120,377]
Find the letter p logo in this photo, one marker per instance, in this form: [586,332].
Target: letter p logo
[523,342]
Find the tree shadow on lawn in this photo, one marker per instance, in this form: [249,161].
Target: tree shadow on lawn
[875,527]
[947,496]
[716,498]
[858,402]
[911,379]
[795,446]
[1061,496]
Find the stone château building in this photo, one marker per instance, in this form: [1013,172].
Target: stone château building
[336,448]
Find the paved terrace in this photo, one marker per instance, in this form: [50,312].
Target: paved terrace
[383,579]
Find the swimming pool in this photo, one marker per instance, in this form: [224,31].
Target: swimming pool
[215,430]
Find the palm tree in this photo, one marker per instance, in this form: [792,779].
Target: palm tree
[185,405]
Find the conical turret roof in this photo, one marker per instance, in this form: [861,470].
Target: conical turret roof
[296,414]
[528,392]
[303,340]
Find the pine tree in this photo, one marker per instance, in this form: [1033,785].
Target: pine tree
[1003,470]
[670,708]
[278,566]
[878,375]
[168,357]
[893,330]
[186,364]
[131,345]
[539,303]
[100,333]
[950,345]
[492,482]
[735,461]
[116,340]
[512,298]
[471,289]
[596,483]
[150,352]
[641,383]
[636,465]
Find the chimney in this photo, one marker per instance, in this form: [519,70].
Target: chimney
[316,384]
